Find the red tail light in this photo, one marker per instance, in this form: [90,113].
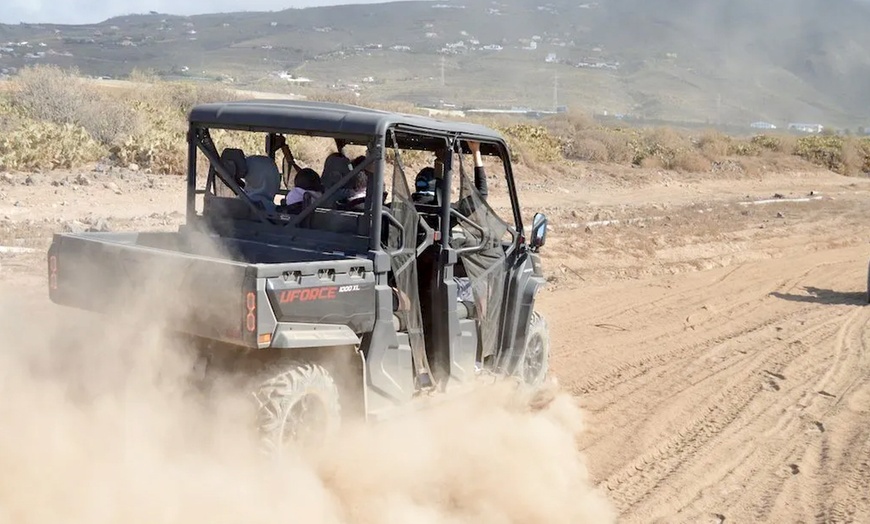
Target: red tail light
[251,308]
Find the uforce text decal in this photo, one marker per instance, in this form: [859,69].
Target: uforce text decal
[314,293]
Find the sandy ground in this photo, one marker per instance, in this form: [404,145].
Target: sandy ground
[717,345]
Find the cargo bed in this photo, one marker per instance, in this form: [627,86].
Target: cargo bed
[214,286]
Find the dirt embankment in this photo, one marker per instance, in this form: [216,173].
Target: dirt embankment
[712,330]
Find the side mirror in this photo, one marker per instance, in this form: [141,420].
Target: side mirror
[539,231]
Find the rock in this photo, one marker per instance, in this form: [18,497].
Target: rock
[99,225]
[74,226]
[6,178]
[779,214]
[778,195]
[133,167]
[18,204]
[29,181]
[113,187]
[82,180]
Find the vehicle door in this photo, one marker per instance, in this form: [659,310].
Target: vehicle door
[488,245]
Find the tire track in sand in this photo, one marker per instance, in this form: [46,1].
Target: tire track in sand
[767,410]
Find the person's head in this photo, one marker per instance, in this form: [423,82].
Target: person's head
[369,169]
[358,182]
[263,179]
[425,180]
[308,179]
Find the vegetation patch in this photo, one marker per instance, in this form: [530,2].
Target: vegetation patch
[38,146]
[53,118]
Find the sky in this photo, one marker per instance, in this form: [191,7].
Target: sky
[92,11]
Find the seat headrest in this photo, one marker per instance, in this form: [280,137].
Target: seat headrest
[234,160]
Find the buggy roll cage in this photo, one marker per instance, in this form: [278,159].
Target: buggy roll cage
[416,138]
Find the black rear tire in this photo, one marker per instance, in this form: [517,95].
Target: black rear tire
[297,402]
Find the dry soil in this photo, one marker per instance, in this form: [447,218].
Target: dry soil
[711,327]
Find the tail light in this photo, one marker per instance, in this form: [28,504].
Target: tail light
[250,323]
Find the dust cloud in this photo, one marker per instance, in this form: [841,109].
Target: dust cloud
[103,422]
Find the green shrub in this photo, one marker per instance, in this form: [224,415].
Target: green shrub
[826,151]
[531,143]
[742,148]
[38,145]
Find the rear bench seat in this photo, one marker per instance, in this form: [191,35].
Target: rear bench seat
[218,209]
[336,221]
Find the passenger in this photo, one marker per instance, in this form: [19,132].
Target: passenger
[307,182]
[335,167]
[466,206]
[479,170]
[369,170]
[262,181]
[426,182]
[357,198]
[424,187]
[292,164]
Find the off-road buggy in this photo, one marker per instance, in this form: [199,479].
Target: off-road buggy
[334,312]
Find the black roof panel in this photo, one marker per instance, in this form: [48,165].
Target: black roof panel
[323,118]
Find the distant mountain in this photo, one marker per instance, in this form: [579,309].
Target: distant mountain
[730,61]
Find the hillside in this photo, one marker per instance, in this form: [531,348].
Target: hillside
[724,61]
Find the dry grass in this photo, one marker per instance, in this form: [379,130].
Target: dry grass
[54,118]
[50,94]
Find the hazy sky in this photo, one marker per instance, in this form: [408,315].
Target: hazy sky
[90,11]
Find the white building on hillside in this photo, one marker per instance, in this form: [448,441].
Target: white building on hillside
[806,128]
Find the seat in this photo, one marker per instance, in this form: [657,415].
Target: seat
[234,161]
[218,208]
[337,221]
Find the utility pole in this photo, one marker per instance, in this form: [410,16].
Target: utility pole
[555,92]
[442,71]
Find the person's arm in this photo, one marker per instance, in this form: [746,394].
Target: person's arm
[479,170]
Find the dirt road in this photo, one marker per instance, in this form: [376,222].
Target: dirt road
[734,385]
[716,344]
[740,394]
